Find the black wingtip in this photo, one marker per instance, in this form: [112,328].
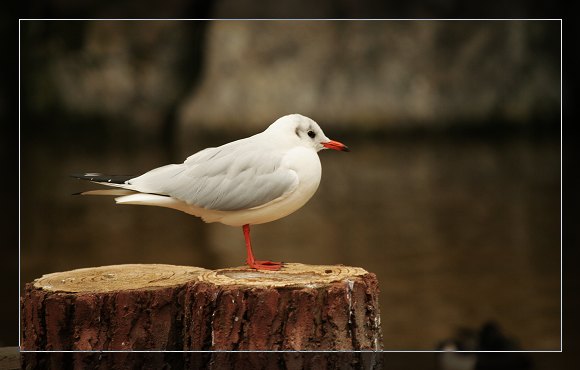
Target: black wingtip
[99,177]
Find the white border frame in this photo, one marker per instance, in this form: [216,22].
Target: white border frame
[20,20]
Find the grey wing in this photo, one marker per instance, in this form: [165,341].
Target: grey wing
[224,178]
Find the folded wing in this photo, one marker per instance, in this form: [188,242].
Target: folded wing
[227,178]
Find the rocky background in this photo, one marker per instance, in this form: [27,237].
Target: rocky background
[368,76]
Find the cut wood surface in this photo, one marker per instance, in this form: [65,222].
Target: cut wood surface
[117,277]
[9,358]
[166,307]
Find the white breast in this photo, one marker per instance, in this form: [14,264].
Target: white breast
[306,164]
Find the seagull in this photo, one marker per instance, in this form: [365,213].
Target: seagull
[250,181]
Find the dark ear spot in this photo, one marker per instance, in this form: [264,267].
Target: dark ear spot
[296,131]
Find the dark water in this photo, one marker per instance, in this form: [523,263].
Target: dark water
[458,230]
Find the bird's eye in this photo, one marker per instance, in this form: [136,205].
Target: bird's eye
[311,134]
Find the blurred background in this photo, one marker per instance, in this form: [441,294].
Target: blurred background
[451,193]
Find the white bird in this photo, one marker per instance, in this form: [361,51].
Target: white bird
[249,181]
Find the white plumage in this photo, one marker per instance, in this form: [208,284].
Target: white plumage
[254,180]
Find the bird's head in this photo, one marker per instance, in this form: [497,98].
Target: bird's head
[304,131]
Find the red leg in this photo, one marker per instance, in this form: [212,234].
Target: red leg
[251,261]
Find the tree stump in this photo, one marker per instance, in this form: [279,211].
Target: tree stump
[119,307]
[165,307]
[301,307]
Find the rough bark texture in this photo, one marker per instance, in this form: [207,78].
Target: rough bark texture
[165,307]
[203,360]
[301,307]
[119,307]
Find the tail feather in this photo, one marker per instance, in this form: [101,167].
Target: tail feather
[124,188]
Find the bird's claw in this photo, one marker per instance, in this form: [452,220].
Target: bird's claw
[265,265]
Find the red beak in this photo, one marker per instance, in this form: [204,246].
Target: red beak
[335,145]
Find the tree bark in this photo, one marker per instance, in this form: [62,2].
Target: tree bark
[118,307]
[200,360]
[164,307]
